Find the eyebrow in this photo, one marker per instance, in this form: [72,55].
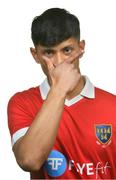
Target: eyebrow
[68,46]
[53,49]
[48,50]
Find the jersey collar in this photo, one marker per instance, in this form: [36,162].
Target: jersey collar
[88,91]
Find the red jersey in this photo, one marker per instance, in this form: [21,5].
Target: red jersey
[85,146]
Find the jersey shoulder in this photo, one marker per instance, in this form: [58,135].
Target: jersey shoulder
[22,108]
[30,98]
[105,95]
[26,95]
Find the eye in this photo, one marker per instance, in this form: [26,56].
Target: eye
[67,50]
[48,53]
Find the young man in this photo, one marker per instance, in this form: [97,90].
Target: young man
[66,127]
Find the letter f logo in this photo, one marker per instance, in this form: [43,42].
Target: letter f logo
[56,164]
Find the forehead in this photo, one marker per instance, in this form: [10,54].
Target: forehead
[68,42]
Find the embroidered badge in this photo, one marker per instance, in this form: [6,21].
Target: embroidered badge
[103,133]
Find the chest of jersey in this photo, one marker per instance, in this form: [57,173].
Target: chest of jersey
[85,141]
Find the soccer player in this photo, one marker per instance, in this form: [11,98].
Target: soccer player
[66,127]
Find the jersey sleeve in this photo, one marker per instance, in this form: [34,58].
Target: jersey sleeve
[20,116]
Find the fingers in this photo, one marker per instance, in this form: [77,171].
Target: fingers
[74,56]
[49,64]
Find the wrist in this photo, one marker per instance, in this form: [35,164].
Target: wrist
[58,91]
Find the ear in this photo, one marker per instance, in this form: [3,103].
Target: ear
[82,45]
[34,54]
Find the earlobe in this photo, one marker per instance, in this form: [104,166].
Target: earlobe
[34,54]
[82,48]
[82,45]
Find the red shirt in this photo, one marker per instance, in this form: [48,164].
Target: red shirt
[85,146]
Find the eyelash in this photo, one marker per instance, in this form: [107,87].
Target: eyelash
[48,53]
[68,50]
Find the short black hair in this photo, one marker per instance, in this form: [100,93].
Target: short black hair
[54,26]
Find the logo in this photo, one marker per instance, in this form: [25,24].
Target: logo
[56,164]
[103,133]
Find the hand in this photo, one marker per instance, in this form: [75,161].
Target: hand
[64,76]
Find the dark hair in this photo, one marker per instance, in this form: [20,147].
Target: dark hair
[54,26]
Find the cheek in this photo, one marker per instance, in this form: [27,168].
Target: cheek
[76,63]
[44,68]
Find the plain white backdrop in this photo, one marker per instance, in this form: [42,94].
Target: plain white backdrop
[18,70]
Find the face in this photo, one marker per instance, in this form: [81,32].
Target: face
[59,53]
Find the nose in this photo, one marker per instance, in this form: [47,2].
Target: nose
[59,58]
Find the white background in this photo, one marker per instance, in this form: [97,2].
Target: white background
[18,70]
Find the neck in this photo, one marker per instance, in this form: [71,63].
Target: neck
[77,90]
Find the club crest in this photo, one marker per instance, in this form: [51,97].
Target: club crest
[103,133]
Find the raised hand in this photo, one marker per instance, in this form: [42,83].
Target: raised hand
[65,75]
